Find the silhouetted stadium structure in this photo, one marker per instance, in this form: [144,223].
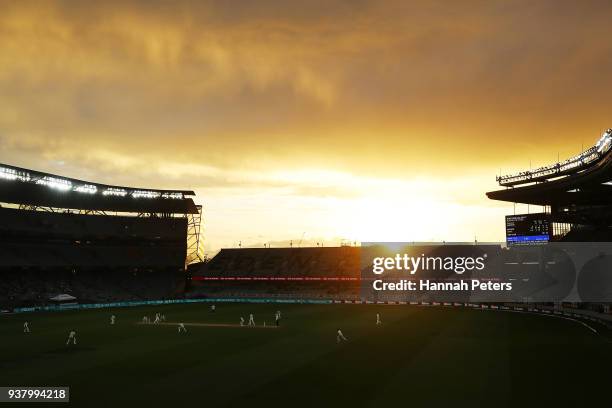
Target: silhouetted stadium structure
[576,194]
[92,241]
[103,243]
[312,272]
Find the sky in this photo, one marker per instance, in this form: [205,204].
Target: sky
[319,121]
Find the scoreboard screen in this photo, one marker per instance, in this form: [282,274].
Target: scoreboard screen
[527,228]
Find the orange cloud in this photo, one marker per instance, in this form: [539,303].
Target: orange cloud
[222,96]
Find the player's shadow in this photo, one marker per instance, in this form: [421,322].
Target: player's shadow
[69,350]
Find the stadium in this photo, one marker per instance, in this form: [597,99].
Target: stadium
[78,253]
[305,204]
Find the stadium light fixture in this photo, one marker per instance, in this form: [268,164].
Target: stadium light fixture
[11,174]
[145,194]
[114,192]
[175,196]
[55,183]
[86,188]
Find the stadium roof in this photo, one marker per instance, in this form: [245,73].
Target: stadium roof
[573,165]
[583,180]
[35,188]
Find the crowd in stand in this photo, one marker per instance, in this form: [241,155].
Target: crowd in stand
[19,288]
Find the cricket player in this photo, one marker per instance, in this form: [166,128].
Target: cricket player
[26,327]
[144,319]
[112,320]
[157,318]
[241,321]
[71,336]
[163,317]
[378,321]
[251,320]
[181,328]
[340,337]
[277,317]
[212,308]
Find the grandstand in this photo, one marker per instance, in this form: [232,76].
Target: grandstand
[576,195]
[93,241]
[316,272]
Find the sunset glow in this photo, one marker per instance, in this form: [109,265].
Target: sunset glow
[321,122]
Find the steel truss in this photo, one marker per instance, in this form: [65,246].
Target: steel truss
[195,244]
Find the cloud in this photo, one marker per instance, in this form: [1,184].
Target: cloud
[365,86]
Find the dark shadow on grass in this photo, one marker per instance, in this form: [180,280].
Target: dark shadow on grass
[69,350]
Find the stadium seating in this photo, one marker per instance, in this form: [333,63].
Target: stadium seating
[330,273]
[95,258]
[76,241]
[23,287]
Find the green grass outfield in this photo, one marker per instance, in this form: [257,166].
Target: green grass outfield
[420,356]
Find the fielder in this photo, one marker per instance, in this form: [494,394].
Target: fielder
[340,337]
[241,321]
[277,317]
[378,321]
[157,318]
[181,328]
[251,320]
[112,320]
[71,336]
[26,327]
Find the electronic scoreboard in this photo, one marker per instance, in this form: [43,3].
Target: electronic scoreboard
[524,229]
